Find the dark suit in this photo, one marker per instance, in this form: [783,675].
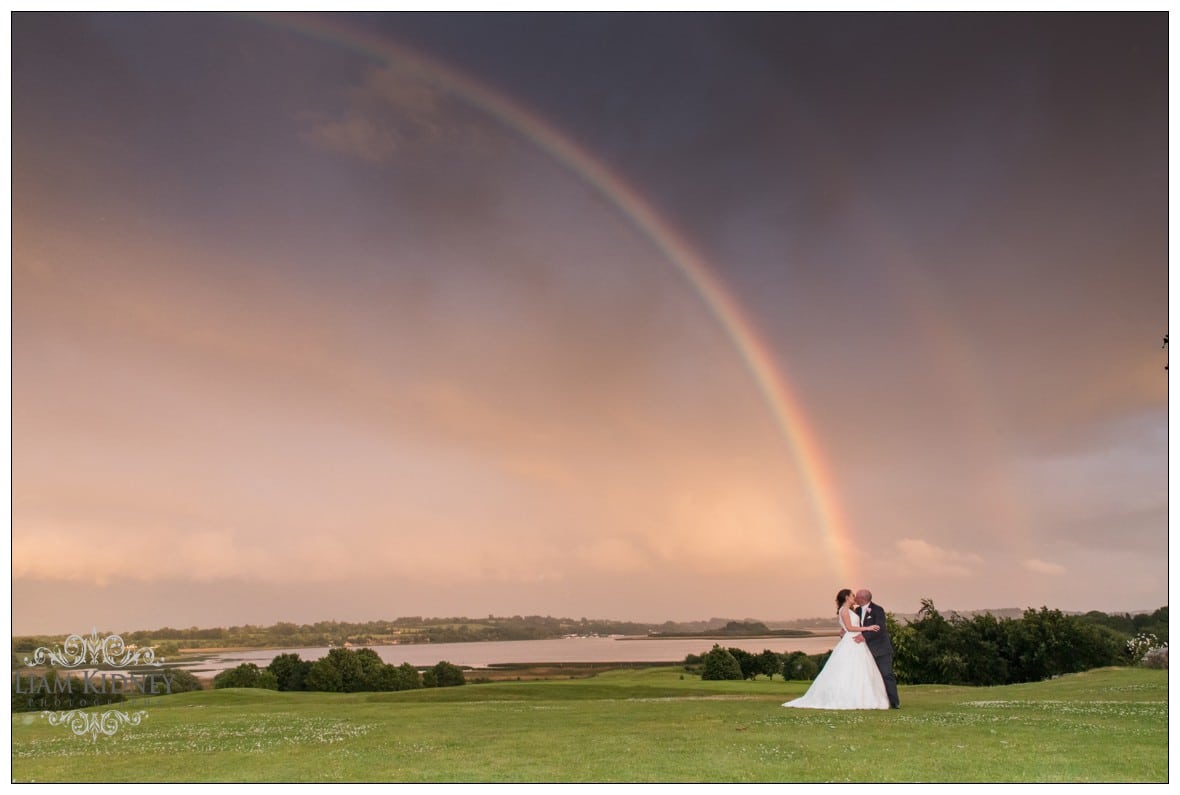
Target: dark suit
[880,646]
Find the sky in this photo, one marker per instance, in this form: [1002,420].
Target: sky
[617,315]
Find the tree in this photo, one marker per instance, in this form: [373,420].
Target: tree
[1047,643]
[348,671]
[921,650]
[1155,623]
[985,650]
[375,674]
[769,663]
[348,666]
[407,677]
[324,677]
[747,662]
[444,674]
[745,628]
[720,664]
[246,675]
[982,644]
[290,671]
[798,665]
[183,681]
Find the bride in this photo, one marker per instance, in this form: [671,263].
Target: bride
[850,678]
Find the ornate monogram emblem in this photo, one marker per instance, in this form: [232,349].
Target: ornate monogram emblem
[78,651]
[96,687]
[94,723]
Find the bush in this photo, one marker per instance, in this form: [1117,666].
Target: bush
[290,671]
[183,681]
[407,677]
[324,677]
[444,674]
[720,664]
[1140,645]
[246,675]
[987,651]
[799,666]
[346,670]
[747,662]
[770,663]
[1156,658]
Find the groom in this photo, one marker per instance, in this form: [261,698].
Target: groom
[879,643]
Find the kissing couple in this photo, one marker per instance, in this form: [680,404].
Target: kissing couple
[859,671]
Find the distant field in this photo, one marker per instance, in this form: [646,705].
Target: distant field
[649,725]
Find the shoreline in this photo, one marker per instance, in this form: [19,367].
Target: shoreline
[762,636]
[197,651]
[495,659]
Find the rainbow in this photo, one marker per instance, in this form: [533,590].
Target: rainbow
[773,385]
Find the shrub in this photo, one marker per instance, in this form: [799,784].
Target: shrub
[408,677]
[747,662]
[987,651]
[1140,645]
[323,676]
[183,681]
[444,674]
[798,665]
[770,663]
[246,675]
[720,664]
[1156,658]
[290,671]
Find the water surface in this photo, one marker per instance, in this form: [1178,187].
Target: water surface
[482,654]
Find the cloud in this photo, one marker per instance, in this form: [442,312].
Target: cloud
[926,558]
[211,556]
[1043,567]
[408,91]
[358,136]
[613,555]
[393,109]
[729,527]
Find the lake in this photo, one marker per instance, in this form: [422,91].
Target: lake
[482,654]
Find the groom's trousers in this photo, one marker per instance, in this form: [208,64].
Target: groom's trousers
[885,664]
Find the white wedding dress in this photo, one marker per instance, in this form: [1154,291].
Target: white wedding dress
[849,680]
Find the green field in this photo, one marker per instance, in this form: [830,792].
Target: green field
[654,725]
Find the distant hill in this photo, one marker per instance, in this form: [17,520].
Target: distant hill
[416,629]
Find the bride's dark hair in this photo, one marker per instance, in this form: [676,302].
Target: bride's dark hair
[840,597]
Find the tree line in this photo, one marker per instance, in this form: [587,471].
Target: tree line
[984,650]
[58,690]
[976,650]
[734,628]
[406,629]
[733,663]
[341,671]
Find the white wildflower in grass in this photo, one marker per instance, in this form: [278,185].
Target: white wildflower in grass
[257,736]
[1108,725]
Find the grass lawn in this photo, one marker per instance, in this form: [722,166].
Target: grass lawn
[1109,725]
